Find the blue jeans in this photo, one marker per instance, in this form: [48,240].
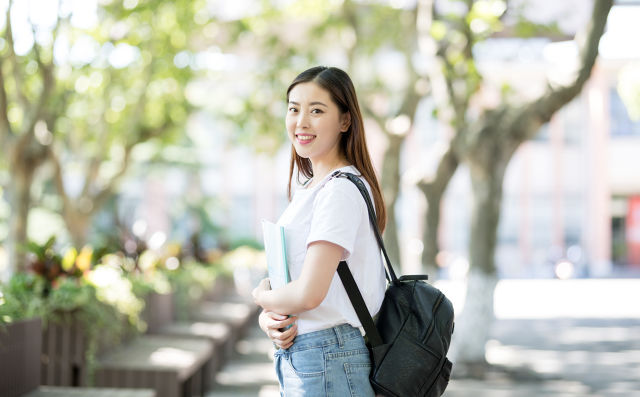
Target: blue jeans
[330,362]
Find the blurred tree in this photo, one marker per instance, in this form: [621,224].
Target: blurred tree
[26,87]
[92,86]
[395,110]
[486,142]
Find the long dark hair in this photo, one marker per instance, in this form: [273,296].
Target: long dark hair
[353,143]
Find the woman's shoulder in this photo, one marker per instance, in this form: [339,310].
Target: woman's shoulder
[342,183]
[337,188]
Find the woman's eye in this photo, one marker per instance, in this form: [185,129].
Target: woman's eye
[317,111]
[293,109]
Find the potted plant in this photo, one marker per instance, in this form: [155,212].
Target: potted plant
[82,311]
[20,335]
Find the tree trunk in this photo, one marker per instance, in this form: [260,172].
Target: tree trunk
[78,227]
[390,190]
[19,192]
[474,324]
[433,191]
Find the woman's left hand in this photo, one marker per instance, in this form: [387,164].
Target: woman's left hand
[264,285]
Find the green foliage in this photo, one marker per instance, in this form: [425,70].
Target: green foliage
[21,298]
[526,28]
[53,267]
[113,84]
[246,242]
[132,88]
[191,281]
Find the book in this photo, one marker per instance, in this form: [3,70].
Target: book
[276,252]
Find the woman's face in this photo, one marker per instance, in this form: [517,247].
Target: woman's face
[314,122]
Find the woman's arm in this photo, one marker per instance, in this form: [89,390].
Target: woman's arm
[310,289]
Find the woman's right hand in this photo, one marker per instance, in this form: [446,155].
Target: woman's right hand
[272,323]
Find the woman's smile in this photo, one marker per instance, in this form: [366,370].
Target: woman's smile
[305,139]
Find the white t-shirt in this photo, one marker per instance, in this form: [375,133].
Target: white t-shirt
[335,211]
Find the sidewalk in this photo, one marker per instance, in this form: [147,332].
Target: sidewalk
[557,357]
[250,371]
[560,357]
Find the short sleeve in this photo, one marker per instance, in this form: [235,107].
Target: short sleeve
[337,214]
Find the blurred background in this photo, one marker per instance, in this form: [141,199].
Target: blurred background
[144,141]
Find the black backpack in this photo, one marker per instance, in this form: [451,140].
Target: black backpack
[410,337]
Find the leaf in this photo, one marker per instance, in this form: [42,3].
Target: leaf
[83,262]
[49,244]
[438,30]
[69,259]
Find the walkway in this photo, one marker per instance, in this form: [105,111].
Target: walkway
[556,357]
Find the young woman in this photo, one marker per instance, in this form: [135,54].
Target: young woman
[323,353]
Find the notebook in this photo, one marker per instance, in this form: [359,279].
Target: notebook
[275,249]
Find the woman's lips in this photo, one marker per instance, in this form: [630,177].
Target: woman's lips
[305,139]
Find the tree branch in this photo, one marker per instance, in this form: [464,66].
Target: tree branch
[100,197]
[107,191]
[48,80]
[543,108]
[17,76]
[447,165]
[5,126]
[433,187]
[58,178]
[411,98]
[349,13]
[441,86]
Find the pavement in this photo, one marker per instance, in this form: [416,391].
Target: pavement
[593,354]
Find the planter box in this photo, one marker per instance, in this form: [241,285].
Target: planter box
[63,354]
[20,346]
[64,348]
[64,344]
[222,286]
[173,367]
[158,311]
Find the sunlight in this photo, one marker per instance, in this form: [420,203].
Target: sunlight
[619,41]
[575,298]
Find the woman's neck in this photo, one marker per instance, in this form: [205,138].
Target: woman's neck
[322,169]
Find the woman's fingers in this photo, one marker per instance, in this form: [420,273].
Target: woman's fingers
[289,335]
[276,328]
[284,340]
[277,321]
[282,336]
[290,332]
[285,344]
[276,316]
[285,323]
[286,334]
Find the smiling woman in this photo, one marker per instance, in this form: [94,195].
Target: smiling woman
[315,124]
[323,352]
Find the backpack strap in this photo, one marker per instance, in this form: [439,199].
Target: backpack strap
[358,304]
[390,273]
[373,336]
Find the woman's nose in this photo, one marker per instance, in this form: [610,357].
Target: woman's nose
[303,120]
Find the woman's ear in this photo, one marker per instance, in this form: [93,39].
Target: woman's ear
[345,121]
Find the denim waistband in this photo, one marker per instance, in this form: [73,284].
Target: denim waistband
[330,336]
